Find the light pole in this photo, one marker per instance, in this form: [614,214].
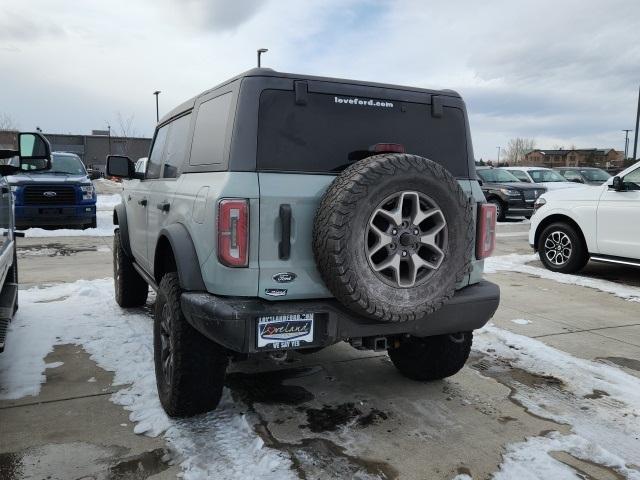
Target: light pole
[260,52]
[499,155]
[635,141]
[626,142]
[156,93]
[109,136]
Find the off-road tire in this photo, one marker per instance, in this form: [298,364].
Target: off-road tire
[501,212]
[198,366]
[339,236]
[579,253]
[432,358]
[131,289]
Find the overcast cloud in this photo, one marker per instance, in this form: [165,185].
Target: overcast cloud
[563,72]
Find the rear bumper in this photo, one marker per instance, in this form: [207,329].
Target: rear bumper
[231,322]
[54,215]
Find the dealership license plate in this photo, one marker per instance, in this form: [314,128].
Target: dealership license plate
[285,331]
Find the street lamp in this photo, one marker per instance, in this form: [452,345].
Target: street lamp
[156,93]
[260,52]
[109,136]
[498,155]
[626,141]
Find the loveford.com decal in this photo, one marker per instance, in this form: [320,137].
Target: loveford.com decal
[363,101]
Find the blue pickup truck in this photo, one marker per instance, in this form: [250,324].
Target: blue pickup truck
[61,197]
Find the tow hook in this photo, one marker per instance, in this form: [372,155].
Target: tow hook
[279,356]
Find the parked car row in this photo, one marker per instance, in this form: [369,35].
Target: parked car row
[503,187]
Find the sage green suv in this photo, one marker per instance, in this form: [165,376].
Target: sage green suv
[283,212]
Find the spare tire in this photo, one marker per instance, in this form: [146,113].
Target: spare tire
[392,237]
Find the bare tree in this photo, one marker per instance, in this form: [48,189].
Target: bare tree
[7,122]
[125,130]
[517,148]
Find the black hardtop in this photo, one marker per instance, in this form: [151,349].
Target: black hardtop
[270,73]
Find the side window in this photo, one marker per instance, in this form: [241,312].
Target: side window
[176,146]
[520,175]
[210,131]
[633,178]
[571,175]
[157,153]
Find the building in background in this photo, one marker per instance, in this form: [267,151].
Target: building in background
[582,157]
[93,149]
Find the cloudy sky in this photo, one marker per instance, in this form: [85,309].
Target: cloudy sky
[565,72]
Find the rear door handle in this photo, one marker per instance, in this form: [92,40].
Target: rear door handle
[284,248]
[143,202]
[164,206]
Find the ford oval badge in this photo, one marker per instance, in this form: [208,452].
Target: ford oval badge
[284,277]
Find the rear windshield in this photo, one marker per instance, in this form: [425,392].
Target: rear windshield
[329,132]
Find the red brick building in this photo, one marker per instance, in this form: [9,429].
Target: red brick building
[582,157]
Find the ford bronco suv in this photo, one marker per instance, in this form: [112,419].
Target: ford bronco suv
[61,197]
[24,151]
[283,212]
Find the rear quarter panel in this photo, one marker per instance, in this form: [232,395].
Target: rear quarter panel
[196,206]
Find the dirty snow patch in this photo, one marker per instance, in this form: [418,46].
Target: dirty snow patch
[531,460]
[518,263]
[600,403]
[85,313]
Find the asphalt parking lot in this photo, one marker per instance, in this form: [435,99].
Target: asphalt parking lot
[551,389]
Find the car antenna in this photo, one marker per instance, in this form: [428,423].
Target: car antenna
[260,52]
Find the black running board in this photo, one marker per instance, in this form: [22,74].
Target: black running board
[8,299]
[147,278]
[618,260]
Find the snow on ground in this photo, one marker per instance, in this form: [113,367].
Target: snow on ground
[220,444]
[601,403]
[518,263]
[521,321]
[104,217]
[107,202]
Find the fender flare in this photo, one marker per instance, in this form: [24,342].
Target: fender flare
[185,255]
[120,219]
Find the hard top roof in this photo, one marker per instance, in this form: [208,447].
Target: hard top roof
[268,72]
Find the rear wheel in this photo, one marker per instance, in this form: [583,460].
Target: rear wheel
[190,368]
[562,249]
[432,358]
[131,289]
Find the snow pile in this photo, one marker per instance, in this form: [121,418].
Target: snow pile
[518,263]
[601,403]
[107,202]
[220,444]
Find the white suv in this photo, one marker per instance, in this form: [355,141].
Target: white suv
[601,223]
[550,179]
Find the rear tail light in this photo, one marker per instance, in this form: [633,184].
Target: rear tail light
[233,232]
[486,239]
[387,148]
